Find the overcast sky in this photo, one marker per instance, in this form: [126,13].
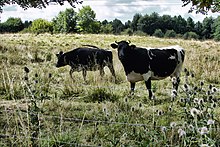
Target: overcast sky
[109,10]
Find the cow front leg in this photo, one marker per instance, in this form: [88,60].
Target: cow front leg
[102,72]
[148,85]
[112,70]
[84,73]
[71,72]
[132,84]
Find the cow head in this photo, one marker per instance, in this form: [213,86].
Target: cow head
[61,59]
[123,47]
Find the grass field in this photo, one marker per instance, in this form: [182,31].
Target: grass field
[45,107]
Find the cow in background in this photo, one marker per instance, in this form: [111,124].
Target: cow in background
[85,59]
[150,63]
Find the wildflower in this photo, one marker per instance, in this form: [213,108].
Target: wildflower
[174,80]
[170,108]
[210,86]
[200,101]
[160,112]
[210,122]
[173,93]
[26,69]
[208,92]
[195,100]
[182,100]
[173,124]
[194,112]
[204,130]
[201,83]
[214,89]
[50,75]
[191,127]
[181,132]
[163,129]
[132,109]
[186,87]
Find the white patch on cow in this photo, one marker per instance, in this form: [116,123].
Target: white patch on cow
[134,77]
[172,58]
[147,75]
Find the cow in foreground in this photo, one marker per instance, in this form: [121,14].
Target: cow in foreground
[150,63]
[86,59]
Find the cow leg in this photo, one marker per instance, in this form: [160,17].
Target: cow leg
[112,70]
[102,72]
[71,72]
[132,87]
[147,79]
[84,74]
[148,85]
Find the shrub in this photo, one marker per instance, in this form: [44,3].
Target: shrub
[41,26]
[170,34]
[190,35]
[158,33]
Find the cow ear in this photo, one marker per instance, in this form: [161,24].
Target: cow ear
[113,45]
[133,46]
[60,53]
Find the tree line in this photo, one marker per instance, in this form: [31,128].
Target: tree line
[84,21]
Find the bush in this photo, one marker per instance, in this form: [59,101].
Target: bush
[190,35]
[170,34]
[158,33]
[41,26]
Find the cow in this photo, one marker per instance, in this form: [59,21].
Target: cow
[84,59]
[150,63]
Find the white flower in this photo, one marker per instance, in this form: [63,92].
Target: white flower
[172,124]
[201,101]
[174,80]
[163,129]
[210,122]
[194,112]
[195,100]
[214,89]
[173,93]
[204,130]
[181,132]
[204,145]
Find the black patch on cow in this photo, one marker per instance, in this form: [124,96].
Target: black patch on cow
[160,62]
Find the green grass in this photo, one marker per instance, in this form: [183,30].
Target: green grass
[45,107]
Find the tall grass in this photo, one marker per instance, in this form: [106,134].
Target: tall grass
[42,106]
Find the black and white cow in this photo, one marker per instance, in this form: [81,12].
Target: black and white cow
[86,59]
[150,63]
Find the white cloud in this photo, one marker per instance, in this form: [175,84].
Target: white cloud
[109,10]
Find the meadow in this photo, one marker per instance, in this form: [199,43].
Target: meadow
[40,105]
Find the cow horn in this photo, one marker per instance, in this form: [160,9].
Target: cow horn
[61,52]
[129,41]
[116,41]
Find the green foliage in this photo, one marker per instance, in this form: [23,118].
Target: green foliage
[86,20]
[190,35]
[101,95]
[170,34]
[36,3]
[41,26]
[118,26]
[65,22]
[158,33]
[201,6]
[12,25]
[106,28]
[217,29]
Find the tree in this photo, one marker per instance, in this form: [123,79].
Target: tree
[217,29]
[207,28]
[106,27]
[198,29]
[65,22]
[190,24]
[36,3]
[41,26]
[12,25]
[86,20]
[203,6]
[190,35]
[117,25]
[134,23]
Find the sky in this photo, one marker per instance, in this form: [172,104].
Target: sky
[123,10]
